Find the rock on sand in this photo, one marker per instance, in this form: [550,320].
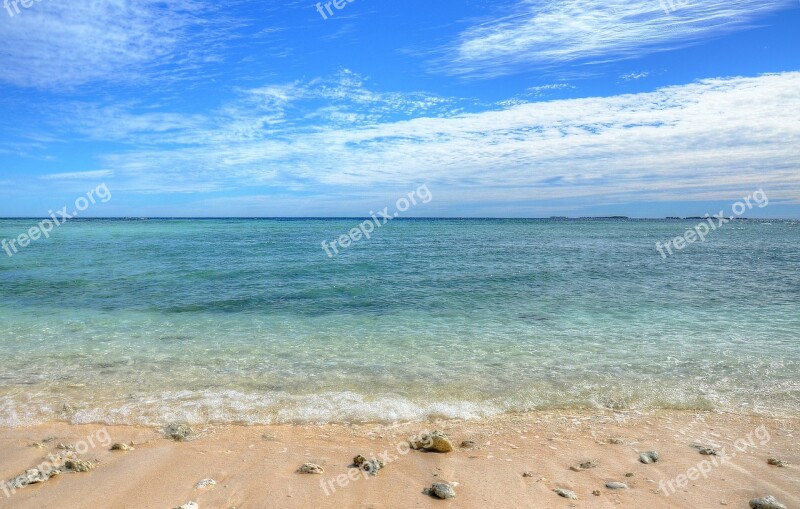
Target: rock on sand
[566,493]
[767,502]
[436,441]
[77,465]
[178,432]
[310,468]
[441,490]
[648,457]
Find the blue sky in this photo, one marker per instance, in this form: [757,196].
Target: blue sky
[503,108]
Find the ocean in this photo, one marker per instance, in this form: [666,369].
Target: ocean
[250,321]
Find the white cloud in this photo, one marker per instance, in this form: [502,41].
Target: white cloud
[81,175]
[715,137]
[59,44]
[267,111]
[546,88]
[635,76]
[537,92]
[542,33]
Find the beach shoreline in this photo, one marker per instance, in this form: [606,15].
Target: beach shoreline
[514,460]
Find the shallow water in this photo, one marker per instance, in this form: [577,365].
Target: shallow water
[249,320]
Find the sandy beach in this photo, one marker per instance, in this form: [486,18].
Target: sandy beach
[346,254]
[509,461]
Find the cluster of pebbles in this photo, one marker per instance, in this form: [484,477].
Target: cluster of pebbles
[650,457]
[63,461]
[435,442]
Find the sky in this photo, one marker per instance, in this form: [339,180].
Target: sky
[502,108]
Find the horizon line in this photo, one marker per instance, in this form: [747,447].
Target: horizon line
[300,218]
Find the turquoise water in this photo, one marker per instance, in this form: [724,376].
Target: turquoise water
[249,320]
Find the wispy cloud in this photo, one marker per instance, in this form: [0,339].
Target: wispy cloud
[80,175]
[635,76]
[537,92]
[58,44]
[688,141]
[548,88]
[543,33]
[272,111]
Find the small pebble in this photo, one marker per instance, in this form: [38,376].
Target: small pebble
[566,493]
[776,462]
[189,505]
[370,466]
[310,468]
[596,493]
[32,476]
[612,485]
[708,451]
[767,502]
[629,474]
[436,441]
[441,490]
[78,465]
[178,432]
[121,447]
[205,483]
[648,457]
[527,474]
[586,465]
